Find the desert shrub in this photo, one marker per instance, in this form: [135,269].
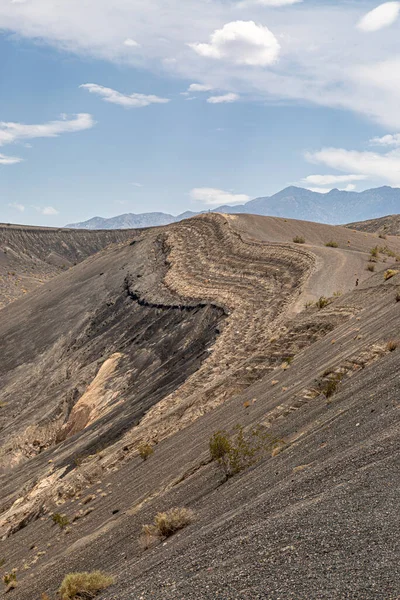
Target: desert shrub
[322,302]
[332,244]
[389,274]
[60,520]
[235,453]
[329,387]
[10,579]
[371,267]
[382,236]
[299,239]
[84,585]
[398,297]
[165,524]
[374,252]
[391,345]
[145,450]
[387,251]
[308,304]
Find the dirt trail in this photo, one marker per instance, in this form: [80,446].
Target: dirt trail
[335,269]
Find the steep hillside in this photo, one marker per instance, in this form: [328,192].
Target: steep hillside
[384,226]
[186,330]
[31,255]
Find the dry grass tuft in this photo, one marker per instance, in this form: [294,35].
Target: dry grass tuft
[84,585]
[332,244]
[165,524]
[391,345]
[389,274]
[371,267]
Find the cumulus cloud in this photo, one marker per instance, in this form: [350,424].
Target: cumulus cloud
[369,164]
[9,160]
[242,43]
[386,140]
[332,179]
[199,87]
[131,43]
[215,197]
[11,132]
[18,207]
[225,98]
[382,16]
[47,211]
[128,101]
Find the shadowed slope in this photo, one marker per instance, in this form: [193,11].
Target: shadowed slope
[29,256]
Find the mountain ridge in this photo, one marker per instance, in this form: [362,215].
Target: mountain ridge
[335,208]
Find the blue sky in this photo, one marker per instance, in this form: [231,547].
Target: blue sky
[190,105]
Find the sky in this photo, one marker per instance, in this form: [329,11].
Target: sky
[131,106]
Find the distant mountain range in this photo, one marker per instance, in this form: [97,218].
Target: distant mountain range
[336,207]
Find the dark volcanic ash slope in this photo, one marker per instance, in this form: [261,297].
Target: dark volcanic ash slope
[192,329]
[30,256]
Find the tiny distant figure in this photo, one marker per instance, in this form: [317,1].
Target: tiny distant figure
[356,282]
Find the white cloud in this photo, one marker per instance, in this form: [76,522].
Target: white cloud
[272,3]
[11,132]
[332,179]
[215,197]
[198,87]
[385,167]
[128,101]
[9,160]
[136,184]
[48,211]
[131,43]
[321,62]
[382,16]
[386,140]
[19,207]
[225,98]
[321,190]
[242,43]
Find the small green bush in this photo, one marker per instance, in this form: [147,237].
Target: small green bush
[299,239]
[235,453]
[145,451]
[328,388]
[322,302]
[84,585]
[10,579]
[332,244]
[374,252]
[60,520]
